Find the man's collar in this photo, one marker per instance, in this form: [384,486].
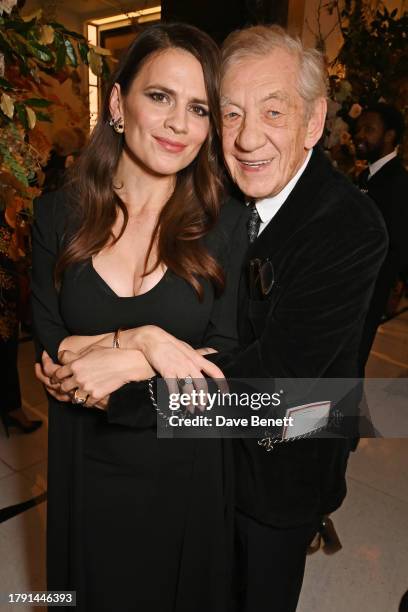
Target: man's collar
[377,165]
[268,207]
[300,205]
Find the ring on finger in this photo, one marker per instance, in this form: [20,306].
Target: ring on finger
[188,380]
[79,398]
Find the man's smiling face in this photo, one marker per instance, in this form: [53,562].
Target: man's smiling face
[265,128]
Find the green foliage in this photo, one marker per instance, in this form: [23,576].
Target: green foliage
[83,51]
[31,47]
[5,85]
[71,52]
[43,116]
[374,52]
[13,165]
[38,102]
[22,115]
[60,51]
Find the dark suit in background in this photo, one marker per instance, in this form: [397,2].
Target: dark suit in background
[388,188]
[326,244]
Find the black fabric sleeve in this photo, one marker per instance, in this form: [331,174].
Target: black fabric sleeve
[47,235]
[131,406]
[222,331]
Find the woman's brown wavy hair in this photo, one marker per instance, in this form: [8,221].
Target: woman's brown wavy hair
[192,209]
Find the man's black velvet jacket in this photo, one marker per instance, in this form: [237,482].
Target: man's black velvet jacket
[326,244]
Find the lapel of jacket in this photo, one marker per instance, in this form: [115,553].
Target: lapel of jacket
[299,205]
[385,173]
[378,187]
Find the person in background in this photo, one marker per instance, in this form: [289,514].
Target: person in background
[67,143]
[377,134]
[11,253]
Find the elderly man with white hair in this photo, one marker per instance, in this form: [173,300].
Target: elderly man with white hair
[316,247]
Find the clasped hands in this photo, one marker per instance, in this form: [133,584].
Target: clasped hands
[97,370]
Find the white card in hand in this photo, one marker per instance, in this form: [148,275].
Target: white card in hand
[306,419]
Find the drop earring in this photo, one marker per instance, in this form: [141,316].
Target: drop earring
[117,125]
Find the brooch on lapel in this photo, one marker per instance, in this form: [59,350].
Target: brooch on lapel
[261,278]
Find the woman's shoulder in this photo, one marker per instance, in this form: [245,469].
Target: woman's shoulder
[52,202]
[53,215]
[53,208]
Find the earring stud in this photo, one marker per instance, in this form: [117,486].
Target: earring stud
[117,125]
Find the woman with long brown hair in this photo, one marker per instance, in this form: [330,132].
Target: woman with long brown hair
[138,238]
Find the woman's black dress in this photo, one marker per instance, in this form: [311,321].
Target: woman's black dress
[135,523]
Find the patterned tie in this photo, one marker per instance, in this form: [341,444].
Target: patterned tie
[253,223]
[363,180]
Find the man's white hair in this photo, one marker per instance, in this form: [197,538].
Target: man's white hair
[260,40]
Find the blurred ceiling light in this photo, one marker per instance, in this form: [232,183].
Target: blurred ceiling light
[153,12]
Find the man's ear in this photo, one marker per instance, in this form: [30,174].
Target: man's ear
[315,124]
[116,102]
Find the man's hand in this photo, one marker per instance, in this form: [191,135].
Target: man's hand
[44,371]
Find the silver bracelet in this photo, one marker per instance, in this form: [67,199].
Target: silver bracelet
[153,400]
[268,442]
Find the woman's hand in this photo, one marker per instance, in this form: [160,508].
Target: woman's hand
[174,359]
[98,371]
[206,351]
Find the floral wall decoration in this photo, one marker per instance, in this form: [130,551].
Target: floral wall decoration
[33,53]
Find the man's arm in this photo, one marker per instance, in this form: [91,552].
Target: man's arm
[318,309]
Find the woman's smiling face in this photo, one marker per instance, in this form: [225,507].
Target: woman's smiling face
[165,112]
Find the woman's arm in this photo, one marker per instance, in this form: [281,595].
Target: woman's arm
[47,235]
[50,331]
[134,338]
[100,370]
[77,344]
